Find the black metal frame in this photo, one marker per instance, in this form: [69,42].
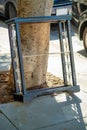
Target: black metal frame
[26,96]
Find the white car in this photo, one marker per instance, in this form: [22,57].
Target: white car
[8,8]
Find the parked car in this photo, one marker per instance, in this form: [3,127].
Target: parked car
[79,14]
[8,8]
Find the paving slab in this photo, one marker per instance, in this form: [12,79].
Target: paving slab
[46,112]
[5,124]
[5,62]
[40,112]
[70,125]
[5,58]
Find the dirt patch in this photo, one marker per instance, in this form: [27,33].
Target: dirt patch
[6,91]
[53,81]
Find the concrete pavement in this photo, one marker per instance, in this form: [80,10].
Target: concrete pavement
[4,47]
[59,112]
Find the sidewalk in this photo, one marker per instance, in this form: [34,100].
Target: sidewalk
[61,112]
[4,48]
[46,113]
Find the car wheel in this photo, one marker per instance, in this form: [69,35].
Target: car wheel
[85,38]
[12,11]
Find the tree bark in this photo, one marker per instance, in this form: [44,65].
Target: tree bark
[35,41]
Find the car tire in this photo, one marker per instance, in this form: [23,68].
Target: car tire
[10,11]
[85,38]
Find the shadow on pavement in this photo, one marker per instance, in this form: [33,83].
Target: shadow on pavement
[83,53]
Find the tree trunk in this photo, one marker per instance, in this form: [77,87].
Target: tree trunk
[35,41]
